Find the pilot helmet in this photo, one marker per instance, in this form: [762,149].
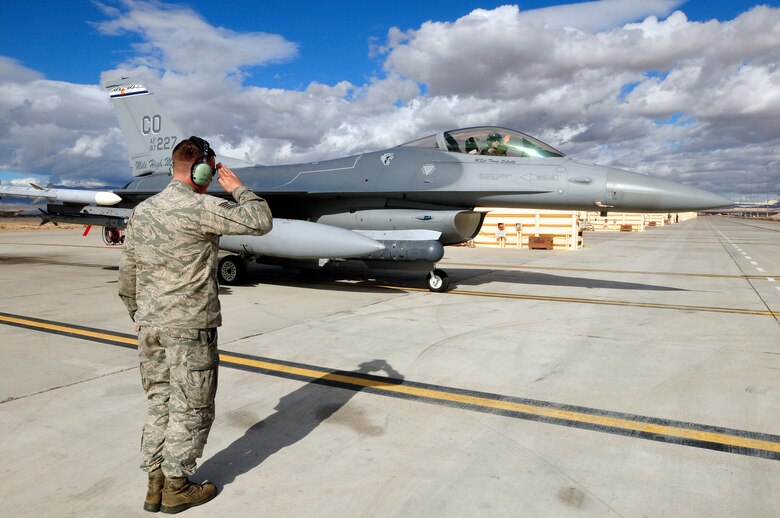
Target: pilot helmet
[493,137]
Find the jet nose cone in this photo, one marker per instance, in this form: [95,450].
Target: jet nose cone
[712,200]
[633,191]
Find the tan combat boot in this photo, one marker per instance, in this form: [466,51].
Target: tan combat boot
[154,491]
[180,494]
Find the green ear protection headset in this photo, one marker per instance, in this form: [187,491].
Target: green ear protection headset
[201,172]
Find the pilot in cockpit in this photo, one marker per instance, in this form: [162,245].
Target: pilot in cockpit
[497,145]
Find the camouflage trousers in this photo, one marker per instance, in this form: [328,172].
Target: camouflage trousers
[179,375]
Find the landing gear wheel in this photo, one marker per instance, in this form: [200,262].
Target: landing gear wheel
[231,270]
[438,281]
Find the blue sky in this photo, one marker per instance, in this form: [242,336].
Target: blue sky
[686,90]
[333,37]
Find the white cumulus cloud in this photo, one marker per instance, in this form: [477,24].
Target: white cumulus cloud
[631,84]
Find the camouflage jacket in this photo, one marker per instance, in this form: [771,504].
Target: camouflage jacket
[168,270]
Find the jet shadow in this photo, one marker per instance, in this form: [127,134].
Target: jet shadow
[297,415]
[546,279]
[257,275]
[372,279]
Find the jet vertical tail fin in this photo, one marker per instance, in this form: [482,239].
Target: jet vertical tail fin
[150,134]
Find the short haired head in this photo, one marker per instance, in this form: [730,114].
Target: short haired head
[197,152]
[494,137]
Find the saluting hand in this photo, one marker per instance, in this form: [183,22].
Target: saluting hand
[228,179]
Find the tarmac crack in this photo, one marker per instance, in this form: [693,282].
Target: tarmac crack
[306,322]
[52,389]
[74,289]
[551,465]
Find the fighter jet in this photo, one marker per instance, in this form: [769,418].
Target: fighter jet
[394,208]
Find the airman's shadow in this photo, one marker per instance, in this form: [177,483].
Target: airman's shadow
[297,415]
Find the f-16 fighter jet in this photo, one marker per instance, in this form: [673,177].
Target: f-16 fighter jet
[393,208]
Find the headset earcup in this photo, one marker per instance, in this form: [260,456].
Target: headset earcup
[201,173]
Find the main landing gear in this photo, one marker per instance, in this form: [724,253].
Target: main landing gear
[231,270]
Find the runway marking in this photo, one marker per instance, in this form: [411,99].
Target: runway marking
[451,263]
[623,303]
[69,330]
[597,270]
[533,297]
[15,260]
[728,440]
[101,247]
[546,298]
[705,309]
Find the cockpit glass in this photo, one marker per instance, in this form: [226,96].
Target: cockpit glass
[488,140]
[427,142]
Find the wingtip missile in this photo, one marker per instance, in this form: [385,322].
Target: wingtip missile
[104,198]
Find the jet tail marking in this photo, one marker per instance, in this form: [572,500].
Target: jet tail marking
[149,132]
[150,135]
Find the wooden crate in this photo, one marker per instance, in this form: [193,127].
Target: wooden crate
[540,242]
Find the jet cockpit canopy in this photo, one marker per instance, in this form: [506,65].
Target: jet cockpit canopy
[487,140]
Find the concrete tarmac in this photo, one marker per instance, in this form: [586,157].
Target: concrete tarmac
[639,376]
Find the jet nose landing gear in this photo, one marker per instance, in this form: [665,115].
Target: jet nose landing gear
[438,281]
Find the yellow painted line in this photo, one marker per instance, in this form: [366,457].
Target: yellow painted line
[589,301]
[552,413]
[445,263]
[618,303]
[599,270]
[12,260]
[101,247]
[443,395]
[68,330]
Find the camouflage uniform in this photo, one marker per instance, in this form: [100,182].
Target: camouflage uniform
[167,280]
